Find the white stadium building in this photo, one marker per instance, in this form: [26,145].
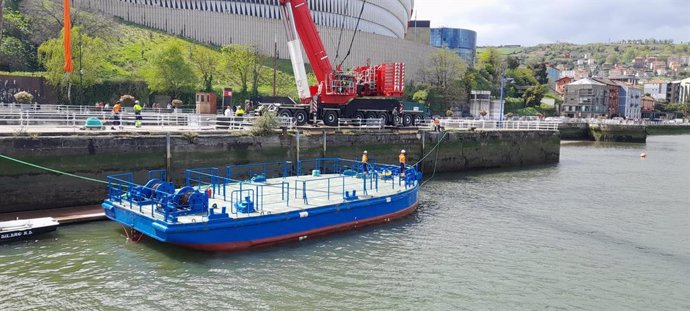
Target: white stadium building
[380,35]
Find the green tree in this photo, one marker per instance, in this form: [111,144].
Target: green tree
[628,56]
[238,63]
[420,96]
[169,72]
[205,62]
[89,58]
[512,62]
[2,6]
[533,95]
[444,66]
[522,78]
[612,59]
[490,62]
[13,54]
[539,70]
[16,51]
[444,72]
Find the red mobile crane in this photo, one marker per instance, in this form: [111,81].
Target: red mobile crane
[366,92]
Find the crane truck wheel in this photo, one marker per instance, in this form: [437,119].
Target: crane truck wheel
[418,120]
[370,115]
[301,117]
[382,116]
[330,118]
[407,119]
[285,113]
[359,118]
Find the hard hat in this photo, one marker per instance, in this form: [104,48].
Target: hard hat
[402,151]
[136,101]
[365,152]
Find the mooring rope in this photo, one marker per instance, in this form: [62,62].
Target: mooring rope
[52,170]
[438,144]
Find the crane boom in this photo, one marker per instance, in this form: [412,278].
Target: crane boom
[298,21]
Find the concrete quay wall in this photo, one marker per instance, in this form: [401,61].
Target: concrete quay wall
[617,132]
[96,156]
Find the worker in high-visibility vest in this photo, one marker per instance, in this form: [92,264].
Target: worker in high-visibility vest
[116,115]
[137,113]
[402,159]
[239,112]
[365,161]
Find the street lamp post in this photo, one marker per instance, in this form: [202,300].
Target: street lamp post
[500,116]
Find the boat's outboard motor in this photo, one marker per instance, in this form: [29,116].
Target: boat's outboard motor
[188,201]
[153,191]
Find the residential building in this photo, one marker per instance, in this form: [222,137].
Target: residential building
[657,89]
[561,83]
[673,92]
[638,62]
[630,79]
[656,65]
[552,74]
[648,103]
[684,97]
[586,98]
[614,89]
[629,101]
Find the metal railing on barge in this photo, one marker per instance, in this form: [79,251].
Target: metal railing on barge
[342,180]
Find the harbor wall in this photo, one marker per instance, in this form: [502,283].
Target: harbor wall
[668,129]
[97,156]
[603,132]
[618,133]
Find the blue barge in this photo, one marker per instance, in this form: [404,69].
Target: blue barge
[262,204]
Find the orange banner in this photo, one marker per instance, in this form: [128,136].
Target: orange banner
[68,38]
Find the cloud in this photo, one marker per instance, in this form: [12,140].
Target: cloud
[530,22]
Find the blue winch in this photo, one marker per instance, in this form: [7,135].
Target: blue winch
[246,206]
[187,200]
[155,190]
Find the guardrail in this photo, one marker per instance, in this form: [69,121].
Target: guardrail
[14,107]
[499,125]
[626,122]
[73,119]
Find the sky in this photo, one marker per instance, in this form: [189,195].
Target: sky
[530,22]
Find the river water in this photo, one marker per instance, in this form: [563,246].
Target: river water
[602,230]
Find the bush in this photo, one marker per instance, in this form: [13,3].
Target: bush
[127,100]
[24,97]
[265,124]
[449,113]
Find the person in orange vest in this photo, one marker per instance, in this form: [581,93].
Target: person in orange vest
[365,161]
[116,114]
[402,159]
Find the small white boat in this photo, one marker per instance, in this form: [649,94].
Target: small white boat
[24,228]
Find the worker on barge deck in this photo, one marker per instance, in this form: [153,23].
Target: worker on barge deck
[402,159]
[365,162]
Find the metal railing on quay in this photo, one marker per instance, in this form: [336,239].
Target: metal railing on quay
[73,119]
[375,123]
[498,125]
